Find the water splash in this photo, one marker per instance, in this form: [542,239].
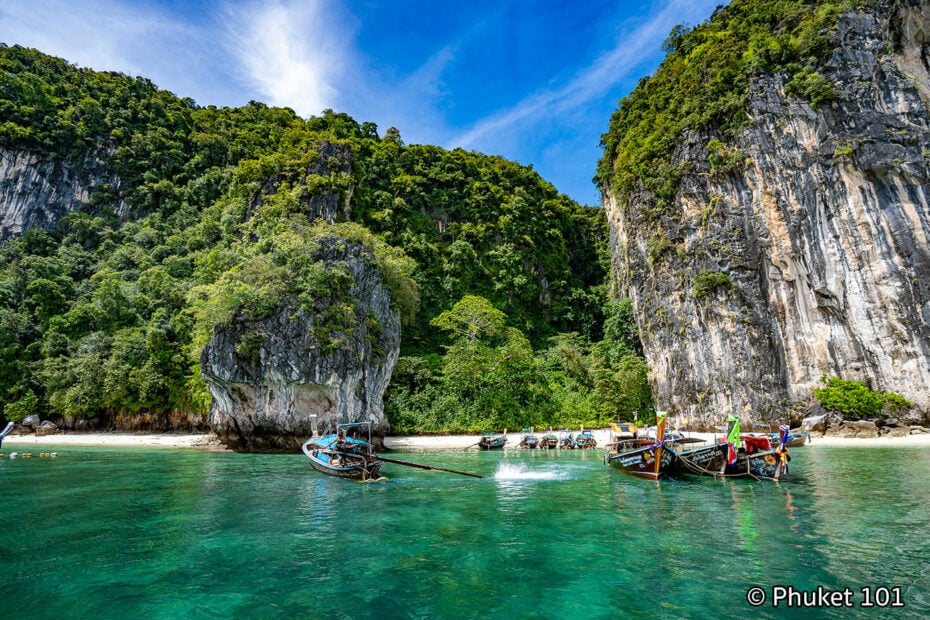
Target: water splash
[519,471]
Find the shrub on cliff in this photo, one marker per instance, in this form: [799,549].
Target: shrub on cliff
[708,281]
[855,399]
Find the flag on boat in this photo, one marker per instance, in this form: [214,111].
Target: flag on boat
[733,438]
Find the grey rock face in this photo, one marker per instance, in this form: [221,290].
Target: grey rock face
[822,230]
[264,393]
[35,192]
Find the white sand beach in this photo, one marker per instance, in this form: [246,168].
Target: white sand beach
[112,439]
[412,443]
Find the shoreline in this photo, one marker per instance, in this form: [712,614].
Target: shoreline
[411,443]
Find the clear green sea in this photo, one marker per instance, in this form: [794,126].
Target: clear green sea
[171,533]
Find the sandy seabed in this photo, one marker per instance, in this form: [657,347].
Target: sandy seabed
[407,443]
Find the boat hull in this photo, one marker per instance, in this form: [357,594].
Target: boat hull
[353,466]
[494,444]
[548,443]
[712,461]
[641,462]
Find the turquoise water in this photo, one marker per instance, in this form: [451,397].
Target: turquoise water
[160,533]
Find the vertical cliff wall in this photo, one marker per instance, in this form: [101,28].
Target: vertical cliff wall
[268,377]
[800,249]
[37,192]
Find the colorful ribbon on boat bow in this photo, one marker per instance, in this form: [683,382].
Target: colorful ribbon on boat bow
[660,444]
[782,450]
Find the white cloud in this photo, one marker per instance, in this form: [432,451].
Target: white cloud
[138,39]
[101,34]
[293,53]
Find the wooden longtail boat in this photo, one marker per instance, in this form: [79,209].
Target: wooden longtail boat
[342,456]
[490,441]
[736,457]
[566,441]
[643,457]
[549,441]
[585,440]
[350,457]
[795,438]
[529,441]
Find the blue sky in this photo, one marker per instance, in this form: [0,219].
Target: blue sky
[533,81]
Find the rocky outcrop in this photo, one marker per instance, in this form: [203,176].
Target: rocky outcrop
[808,252]
[268,377]
[326,184]
[38,192]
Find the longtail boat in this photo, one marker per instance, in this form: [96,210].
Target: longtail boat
[566,440]
[644,458]
[343,456]
[737,456]
[350,457]
[490,441]
[585,440]
[795,438]
[549,441]
[529,441]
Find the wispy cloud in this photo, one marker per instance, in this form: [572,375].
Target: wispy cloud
[103,34]
[293,52]
[589,83]
[138,39]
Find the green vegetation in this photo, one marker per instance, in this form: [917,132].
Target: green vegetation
[708,281]
[855,400]
[843,151]
[217,223]
[703,83]
[490,378]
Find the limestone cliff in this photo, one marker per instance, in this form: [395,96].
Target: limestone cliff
[802,247]
[268,377]
[38,192]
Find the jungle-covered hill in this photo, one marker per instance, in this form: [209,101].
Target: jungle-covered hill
[104,308]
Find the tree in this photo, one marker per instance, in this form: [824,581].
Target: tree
[472,318]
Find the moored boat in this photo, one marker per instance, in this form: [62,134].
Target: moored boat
[350,457]
[491,441]
[643,458]
[549,441]
[343,456]
[529,441]
[585,440]
[795,438]
[736,456]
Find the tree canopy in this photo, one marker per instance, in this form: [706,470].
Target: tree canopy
[214,219]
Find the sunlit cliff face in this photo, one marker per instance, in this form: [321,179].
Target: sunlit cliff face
[822,231]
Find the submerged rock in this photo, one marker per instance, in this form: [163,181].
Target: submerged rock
[268,377]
